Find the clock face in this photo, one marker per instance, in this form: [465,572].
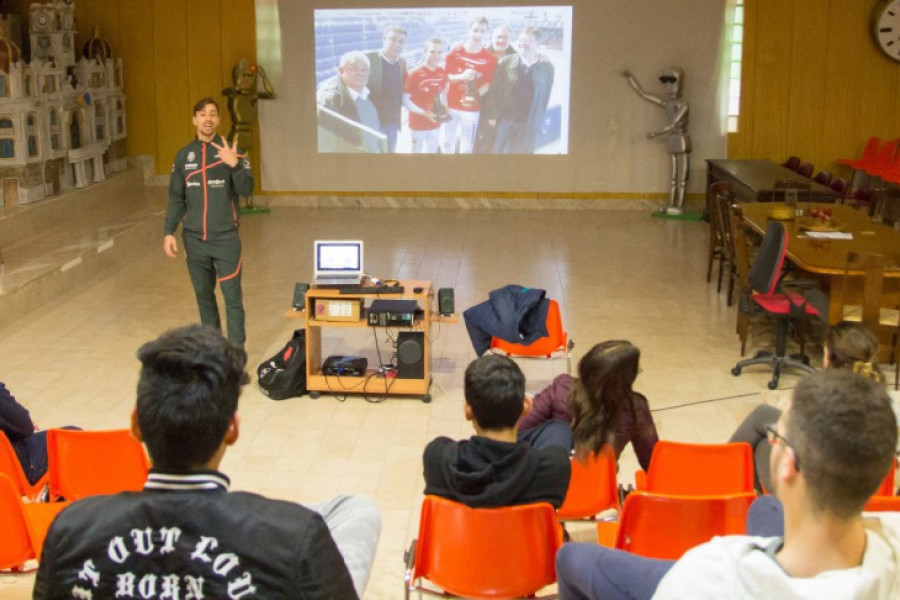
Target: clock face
[887,28]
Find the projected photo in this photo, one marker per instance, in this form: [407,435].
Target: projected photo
[475,80]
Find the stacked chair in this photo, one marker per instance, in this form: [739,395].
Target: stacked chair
[690,493]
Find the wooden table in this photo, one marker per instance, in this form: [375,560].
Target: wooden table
[826,259]
[754,180]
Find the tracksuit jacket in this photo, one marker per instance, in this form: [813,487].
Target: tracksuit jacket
[204,192]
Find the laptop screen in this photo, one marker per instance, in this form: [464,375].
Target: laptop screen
[338,257]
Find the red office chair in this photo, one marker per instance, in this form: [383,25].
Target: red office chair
[507,552]
[870,150]
[768,291]
[660,526]
[555,342]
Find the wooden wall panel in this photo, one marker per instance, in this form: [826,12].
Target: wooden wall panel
[171,76]
[203,60]
[815,83]
[136,48]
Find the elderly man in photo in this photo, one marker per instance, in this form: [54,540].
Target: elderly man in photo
[348,95]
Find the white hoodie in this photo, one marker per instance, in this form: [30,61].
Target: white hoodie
[739,567]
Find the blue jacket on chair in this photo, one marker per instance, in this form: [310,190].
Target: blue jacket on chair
[512,313]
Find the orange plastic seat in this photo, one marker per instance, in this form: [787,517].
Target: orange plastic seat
[592,487]
[556,341]
[693,469]
[882,160]
[883,503]
[88,463]
[24,526]
[887,485]
[660,526]
[9,465]
[504,552]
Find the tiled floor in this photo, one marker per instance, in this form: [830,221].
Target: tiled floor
[617,274]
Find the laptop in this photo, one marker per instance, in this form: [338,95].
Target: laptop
[338,263]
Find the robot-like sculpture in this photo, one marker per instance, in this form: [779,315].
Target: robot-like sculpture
[242,99]
[678,144]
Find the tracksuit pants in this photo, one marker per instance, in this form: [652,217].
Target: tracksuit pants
[217,260]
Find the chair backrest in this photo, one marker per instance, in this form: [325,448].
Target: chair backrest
[741,249]
[841,186]
[10,466]
[593,486]
[823,177]
[87,463]
[870,150]
[766,269]
[661,526]
[555,340]
[504,552]
[15,542]
[791,163]
[722,205]
[887,485]
[884,158]
[805,169]
[883,503]
[696,469]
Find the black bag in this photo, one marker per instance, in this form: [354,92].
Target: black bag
[284,375]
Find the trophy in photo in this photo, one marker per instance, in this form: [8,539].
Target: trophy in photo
[471,97]
[441,115]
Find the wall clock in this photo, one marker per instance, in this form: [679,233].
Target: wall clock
[886,28]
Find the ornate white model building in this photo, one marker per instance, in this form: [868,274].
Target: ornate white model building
[62,121]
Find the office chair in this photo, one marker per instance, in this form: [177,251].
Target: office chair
[768,291]
[506,552]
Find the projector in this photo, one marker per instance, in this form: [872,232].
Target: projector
[352,366]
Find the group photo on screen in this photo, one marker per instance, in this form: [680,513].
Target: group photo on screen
[474,80]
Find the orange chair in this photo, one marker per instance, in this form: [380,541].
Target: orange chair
[87,463]
[883,503]
[660,526]
[24,526]
[504,552]
[887,486]
[691,469]
[592,488]
[556,341]
[9,465]
[882,160]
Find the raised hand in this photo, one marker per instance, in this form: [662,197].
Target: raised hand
[228,153]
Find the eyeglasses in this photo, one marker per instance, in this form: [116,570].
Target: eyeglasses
[668,79]
[774,436]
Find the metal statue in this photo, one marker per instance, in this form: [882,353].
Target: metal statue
[678,144]
[242,100]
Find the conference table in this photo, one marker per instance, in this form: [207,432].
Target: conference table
[754,180]
[825,259]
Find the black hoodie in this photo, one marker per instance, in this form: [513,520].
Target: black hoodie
[481,472]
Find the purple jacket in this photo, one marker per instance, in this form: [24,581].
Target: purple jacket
[636,427]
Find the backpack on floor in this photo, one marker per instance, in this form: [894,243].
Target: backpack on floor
[284,375]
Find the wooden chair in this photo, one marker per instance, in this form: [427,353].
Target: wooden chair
[87,463]
[663,526]
[593,487]
[723,203]
[698,469]
[875,313]
[746,308]
[715,234]
[467,552]
[556,344]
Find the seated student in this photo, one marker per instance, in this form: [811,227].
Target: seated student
[29,443]
[849,346]
[185,535]
[601,405]
[831,449]
[491,468]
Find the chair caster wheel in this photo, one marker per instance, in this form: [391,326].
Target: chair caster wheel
[313,394]
[426,398]
[736,371]
[772,384]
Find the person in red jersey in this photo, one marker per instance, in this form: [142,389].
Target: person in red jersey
[470,70]
[425,99]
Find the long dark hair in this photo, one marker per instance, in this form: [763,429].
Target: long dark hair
[603,388]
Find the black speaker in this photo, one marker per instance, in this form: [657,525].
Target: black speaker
[299,302]
[410,355]
[445,302]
